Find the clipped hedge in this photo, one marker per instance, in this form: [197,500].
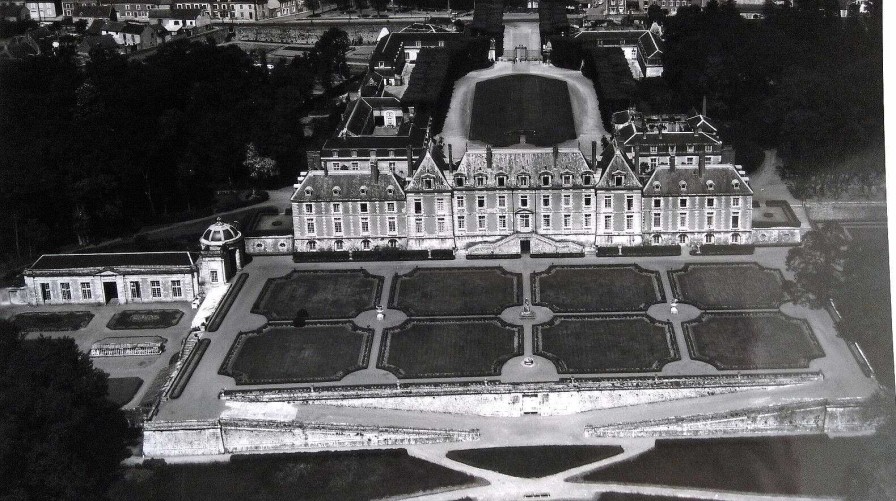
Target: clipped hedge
[724,250]
[320,257]
[390,254]
[640,250]
[493,256]
[558,254]
[442,254]
[189,366]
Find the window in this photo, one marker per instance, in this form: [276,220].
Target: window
[309,226]
[735,238]
[567,200]
[522,181]
[546,221]
[309,208]
[525,222]
[440,205]
[567,221]
[176,289]
[546,201]
[708,238]
[390,191]
[365,225]
[710,203]
[365,244]
[629,222]
[608,201]
[657,203]
[586,221]
[66,290]
[135,290]
[587,179]
[480,181]
[708,149]
[502,201]
[337,225]
[427,184]
[480,223]
[393,243]
[682,239]
[735,184]
[657,219]
[502,222]
[618,180]
[608,222]
[656,186]
[683,220]
[337,190]
[524,200]
[735,220]
[653,149]
[567,179]
[710,220]
[312,245]
[440,225]
[586,201]
[480,201]
[710,185]
[86,292]
[390,206]
[629,202]
[459,181]
[337,208]
[418,206]
[501,180]
[459,202]
[545,179]
[418,225]
[155,288]
[392,225]
[683,186]
[461,223]
[656,239]
[735,202]
[682,203]
[338,245]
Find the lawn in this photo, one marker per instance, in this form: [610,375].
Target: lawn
[505,105]
[144,319]
[455,291]
[593,345]
[807,465]
[734,341]
[286,354]
[352,475]
[123,389]
[456,348]
[323,294]
[631,496]
[568,289]
[534,461]
[735,286]
[52,320]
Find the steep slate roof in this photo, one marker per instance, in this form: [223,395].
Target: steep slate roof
[631,138]
[722,177]
[650,44]
[181,14]
[350,185]
[428,77]
[11,10]
[93,262]
[533,161]
[93,11]
[619,164]
[701,123]
[430,166]
[619,37]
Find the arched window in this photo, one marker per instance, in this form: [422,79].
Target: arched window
[656,186]
[708,238]
[363,190]
[682,238]
[390,190]
[710,185]
[365,244]
[683,185]
[657,239]
[735,238]
[735,184]
[311,245]
[393,243]
[338,245]
[337,190]
[308,191]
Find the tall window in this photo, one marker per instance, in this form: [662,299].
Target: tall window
[338,245]
[567,200]
[735,202]
[608,222]
[418,225]
[502,222]
[710,203]
[390,206]
[337,225]
[682,203]
[502,201]
[309,226]
[86,292]
[586,201]
[363,208]
[683,220]
[461,223]
[480,223]
[337,208]
[629,202]
[567,221]
[608,201]
[545,201]
[309,208]
[392,224]
[502,181]
[546,221]
[440,205]
[523,181]
[735,220]
[418,206]
[45,291]
[524,200]
[440,225]
[176,289]
[459,202]
[545,179]
[427,184]
[135,290]
[629,222]
[710,220]
[586,221]
[66,290]
[567,179]
[155,288]
[525,222]
[365,244]
[657,219]
[365,225]
[480,201]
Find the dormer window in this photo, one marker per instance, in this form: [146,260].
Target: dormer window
[501,180]
[381,64]
[390,190]
[480,181]
[682,185]
[710,185]
[522,181]
[567,179]
[735,184]
[545,179]
[656,186]
[459,181]
[708,149]
[363,190]
[690,148]
[587,179]
[337,190]
[427,183]
[618,180]
[308,192]
[354,153]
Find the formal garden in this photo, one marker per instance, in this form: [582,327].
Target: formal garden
[144,319]
[611,288]
[728,286]
[322,294]
[455,291]
[756,340]
[534,461]
[449,348]
[600,344]
[287,354]
[44,321]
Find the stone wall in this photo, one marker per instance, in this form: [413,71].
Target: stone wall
[269,245]
[229,436]
[309,35]
[847,211]
[776,236]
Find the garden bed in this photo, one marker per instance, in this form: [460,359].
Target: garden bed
[455,291]
[610,288]
[323,294]
[534,461]
[144,319]
[734,286]
[52,321]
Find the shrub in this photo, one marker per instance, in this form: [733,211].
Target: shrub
[320,257]
[641,250]
[493,256]
[724,250]
[558,254]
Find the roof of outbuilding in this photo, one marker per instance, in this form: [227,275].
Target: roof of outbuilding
[111,260]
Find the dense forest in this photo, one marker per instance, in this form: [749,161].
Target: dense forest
[97,151]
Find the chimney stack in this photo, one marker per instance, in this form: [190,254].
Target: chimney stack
[488,157]
[313,158]
[410,155]
[593,154]
[671,163]
[701,165]
[556,152]
[637,158]
[374,170]
[450,158]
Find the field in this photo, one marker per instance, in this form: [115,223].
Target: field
[569,289]
[605,344]
[323,294]
[123,389]
[728,286]
[144,319]
[355,475]
[466,291]
[808,465]
[734,341]
[52,321]
[455,348]
[286,354]
[534,461]
[504,106]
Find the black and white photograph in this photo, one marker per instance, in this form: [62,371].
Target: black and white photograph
[445,250]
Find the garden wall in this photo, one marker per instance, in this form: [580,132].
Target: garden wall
[846,211]
[309,35]
[228,436]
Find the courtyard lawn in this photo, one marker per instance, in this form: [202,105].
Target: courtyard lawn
[805,465]
[353,475]
[596,345]
[504,106]
[455,291]
[144,319]
[52,320]
[123,389]
[456,348]
[323,294]
[735,286]
[534,461]
[568,289]
[286,354]
[735,341]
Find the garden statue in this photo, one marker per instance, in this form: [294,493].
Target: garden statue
[527,310]
[674,304]
[380,315]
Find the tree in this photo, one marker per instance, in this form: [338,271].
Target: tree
[60,438]
[380,5]
[260,168]
[329,52]
[312,5]
[818,264]
[300,318]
